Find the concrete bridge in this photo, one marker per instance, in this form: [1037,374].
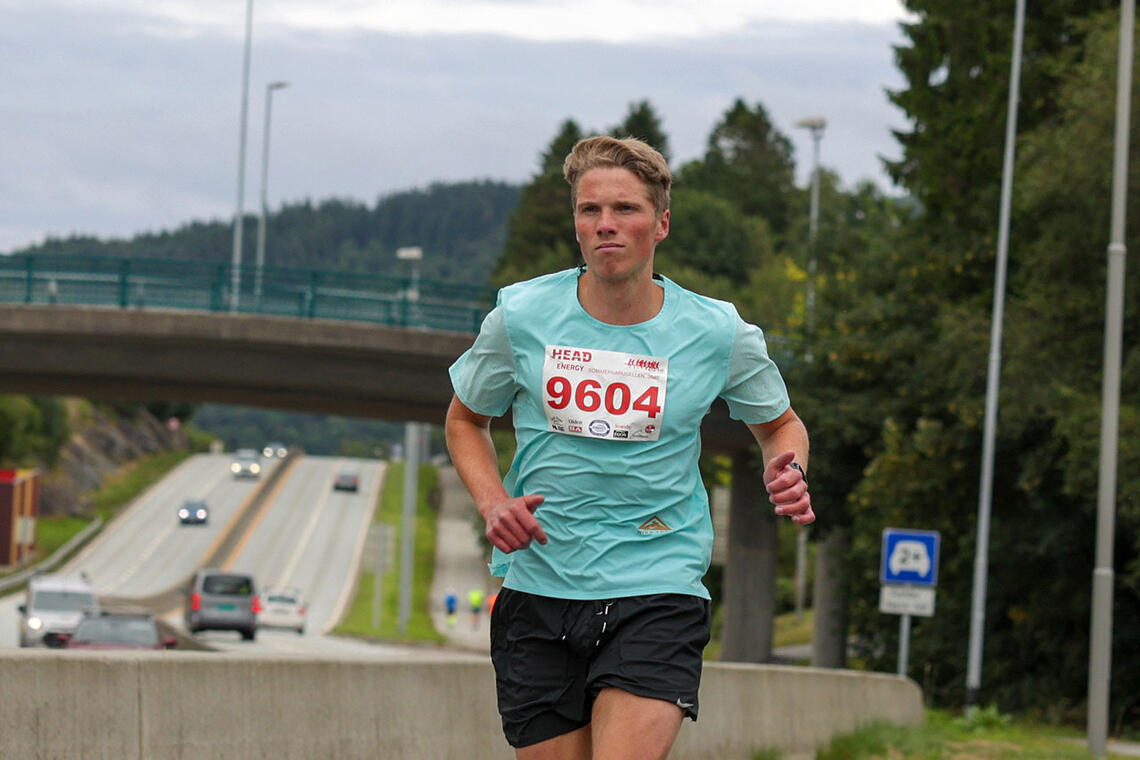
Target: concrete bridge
[354,369]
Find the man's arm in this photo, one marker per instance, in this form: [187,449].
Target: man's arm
[510,521]
[783,441]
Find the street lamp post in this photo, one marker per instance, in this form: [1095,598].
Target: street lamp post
[993,377]
[414,254]
[1100,635]
[235,285]
[412,449]
[815,125]
[269,88]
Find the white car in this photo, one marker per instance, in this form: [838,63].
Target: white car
[54,605]
[282,608]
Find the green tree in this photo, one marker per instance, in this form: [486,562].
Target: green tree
[643,123]
[32,430]
[541,232]
[956,66]
[921,335]
[748,162]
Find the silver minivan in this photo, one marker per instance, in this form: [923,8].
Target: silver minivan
[54,604]
[219,600]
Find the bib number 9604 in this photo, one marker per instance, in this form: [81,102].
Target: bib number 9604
[604,394]
[590,395]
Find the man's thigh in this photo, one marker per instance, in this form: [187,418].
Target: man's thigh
[629,727]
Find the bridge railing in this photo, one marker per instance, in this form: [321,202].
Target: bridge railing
[204,286]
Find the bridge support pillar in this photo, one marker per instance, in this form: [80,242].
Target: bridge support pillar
[750,569]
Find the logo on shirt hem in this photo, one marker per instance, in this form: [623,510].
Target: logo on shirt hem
[653,525]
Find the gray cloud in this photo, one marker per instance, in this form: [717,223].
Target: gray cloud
[114,124]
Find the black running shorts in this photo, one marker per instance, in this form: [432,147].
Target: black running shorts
[553,656]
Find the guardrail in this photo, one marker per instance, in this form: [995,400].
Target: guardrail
[191,706]
[18,579]
[203,286]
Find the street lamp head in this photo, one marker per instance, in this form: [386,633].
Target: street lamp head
[276,85]
[812,122]
[410,253]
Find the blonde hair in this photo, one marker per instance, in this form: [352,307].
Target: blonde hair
[635,155]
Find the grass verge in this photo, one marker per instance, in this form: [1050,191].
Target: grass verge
[987,735]
[358,621]
[124,486]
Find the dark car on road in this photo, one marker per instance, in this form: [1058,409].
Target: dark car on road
[194,512]
[346,481]
[219,600]
[275,449]
[114,630]
[246,464]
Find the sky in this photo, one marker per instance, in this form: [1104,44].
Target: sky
[124,116]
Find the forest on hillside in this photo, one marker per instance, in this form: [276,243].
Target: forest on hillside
[461,228]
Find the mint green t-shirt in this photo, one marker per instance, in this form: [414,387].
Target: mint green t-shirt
[607,421]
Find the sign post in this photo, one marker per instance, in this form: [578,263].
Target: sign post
[909,573]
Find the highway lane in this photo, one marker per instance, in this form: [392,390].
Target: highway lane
[146,549]
[310,537]
[306,535]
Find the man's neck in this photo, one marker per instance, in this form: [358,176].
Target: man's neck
[620,302]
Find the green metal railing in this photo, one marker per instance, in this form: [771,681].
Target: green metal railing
[203,286]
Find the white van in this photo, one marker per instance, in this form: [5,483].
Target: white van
[54,604]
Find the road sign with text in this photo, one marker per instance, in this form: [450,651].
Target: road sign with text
[910,557]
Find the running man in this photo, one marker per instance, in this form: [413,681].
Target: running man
[601,528]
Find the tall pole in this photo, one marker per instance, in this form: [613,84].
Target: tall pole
[985,487]
[815,125]
[1100,641]
[235,285]
[269,88]
[408,521]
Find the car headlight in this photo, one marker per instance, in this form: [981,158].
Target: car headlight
[267,451]
[201,514]
[183,513]
[255,468]
[35,623]
[235,467]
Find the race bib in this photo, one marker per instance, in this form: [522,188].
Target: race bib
[604,394]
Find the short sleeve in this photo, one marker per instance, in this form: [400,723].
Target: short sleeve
[484,377]
[754,390]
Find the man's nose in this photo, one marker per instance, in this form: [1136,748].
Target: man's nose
[607,221]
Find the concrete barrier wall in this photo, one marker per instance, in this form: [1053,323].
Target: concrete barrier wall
[188,705]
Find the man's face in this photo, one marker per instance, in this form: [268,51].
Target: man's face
[616,224]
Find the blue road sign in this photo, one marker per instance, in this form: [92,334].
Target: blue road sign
[910,556]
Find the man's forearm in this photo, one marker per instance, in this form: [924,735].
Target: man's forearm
[473,454]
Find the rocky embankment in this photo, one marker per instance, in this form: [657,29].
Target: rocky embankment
[102,442]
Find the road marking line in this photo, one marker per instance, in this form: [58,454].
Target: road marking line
[314,518]
[257,518]
[348,590]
